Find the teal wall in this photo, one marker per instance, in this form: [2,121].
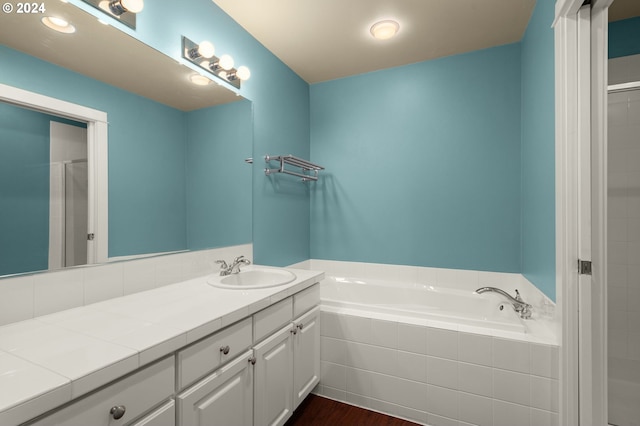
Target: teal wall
[422,164]
[538,150]
[24,190]
[624,37]
[219,139]
[147,211]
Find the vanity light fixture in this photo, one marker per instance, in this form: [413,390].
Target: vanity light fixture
[384,30]
[58,24]
[242,73]
[202,55]
[205,49]
[118,7]
[123,10]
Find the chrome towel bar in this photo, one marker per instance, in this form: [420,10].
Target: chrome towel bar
[309,171]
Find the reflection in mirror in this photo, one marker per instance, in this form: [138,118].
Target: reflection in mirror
[177,179]
[43,191]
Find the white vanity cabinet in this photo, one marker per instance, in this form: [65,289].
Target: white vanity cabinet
[273,389]
[224,398]
[306,355]
[123,401]
[288,361]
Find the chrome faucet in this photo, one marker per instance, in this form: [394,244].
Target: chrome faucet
[234,268]
[519,305]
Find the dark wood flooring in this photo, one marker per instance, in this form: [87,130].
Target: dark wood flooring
[318,411]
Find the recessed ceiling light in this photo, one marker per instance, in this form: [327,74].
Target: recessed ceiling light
[200,80]
[383,30]
[58,24]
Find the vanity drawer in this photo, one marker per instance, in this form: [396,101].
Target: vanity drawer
[135,394]
[272,318]
[306,299]
[205,356]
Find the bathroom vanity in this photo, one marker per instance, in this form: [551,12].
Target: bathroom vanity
[183,354]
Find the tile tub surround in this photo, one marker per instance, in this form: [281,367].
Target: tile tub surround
[437,376]
[50,360]
[440,373]
[31,295]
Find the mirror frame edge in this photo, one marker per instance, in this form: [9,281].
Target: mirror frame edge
[97,153]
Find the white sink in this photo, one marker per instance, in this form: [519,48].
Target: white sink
[253,277]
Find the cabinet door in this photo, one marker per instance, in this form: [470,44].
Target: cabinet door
[274,379]
[163,416]
[224,398]
[306,350]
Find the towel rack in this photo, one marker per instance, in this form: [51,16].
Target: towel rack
[296,162]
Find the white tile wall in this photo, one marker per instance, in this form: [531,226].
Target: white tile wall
[26,296]
[437,377]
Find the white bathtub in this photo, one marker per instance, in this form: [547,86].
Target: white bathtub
[416,303]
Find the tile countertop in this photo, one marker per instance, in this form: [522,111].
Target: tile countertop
[50,360]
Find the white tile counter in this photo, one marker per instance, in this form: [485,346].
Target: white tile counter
[50,360]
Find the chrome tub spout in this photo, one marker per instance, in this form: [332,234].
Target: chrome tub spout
[519,305]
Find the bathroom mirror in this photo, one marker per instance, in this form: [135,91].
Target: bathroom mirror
[177,176]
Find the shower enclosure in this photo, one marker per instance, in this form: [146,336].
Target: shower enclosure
[623,287]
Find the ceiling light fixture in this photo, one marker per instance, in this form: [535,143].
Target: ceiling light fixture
[384,30]
[200,80]
[58,24]
[202,56]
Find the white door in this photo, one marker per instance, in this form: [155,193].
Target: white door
[224,398]
[306,353]
[274,379]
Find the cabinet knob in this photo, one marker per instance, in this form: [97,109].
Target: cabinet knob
[225,349]
[300,326]
[252,360]
[294,330]
[118,411]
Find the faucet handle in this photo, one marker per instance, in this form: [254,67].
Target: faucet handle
[518,297]
[222,263]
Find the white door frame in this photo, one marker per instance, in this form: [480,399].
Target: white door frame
[97,153]
[580,38]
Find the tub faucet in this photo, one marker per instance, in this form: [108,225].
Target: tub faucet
[234,268]
[519,305]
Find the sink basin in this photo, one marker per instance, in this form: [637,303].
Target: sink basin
[253,277]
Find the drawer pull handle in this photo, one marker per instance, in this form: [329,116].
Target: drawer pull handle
[118,411]
[252,360]
[225,349]
[300,326]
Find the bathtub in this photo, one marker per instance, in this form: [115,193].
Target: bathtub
[445,307]
[433,354]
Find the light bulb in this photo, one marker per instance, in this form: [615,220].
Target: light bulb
[226,62]
[206,49]
[133,6]
[222,74]
[384,30]
[243,73]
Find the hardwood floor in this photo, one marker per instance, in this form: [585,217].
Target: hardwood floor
[318,411]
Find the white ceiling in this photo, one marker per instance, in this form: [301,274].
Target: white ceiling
[327,39]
